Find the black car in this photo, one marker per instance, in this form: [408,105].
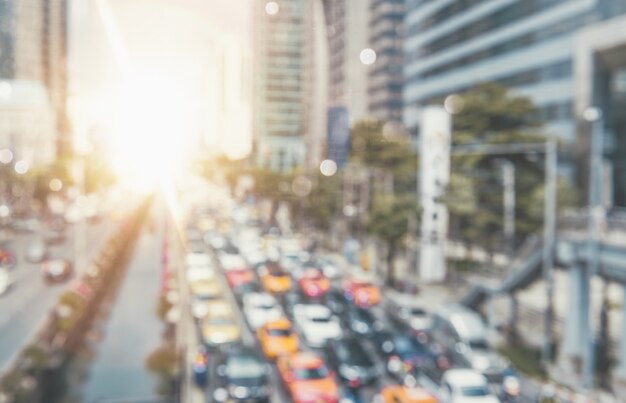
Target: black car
[291,299]
[405,355]
[335,301]
[362,322]
[351,362]
[242,375]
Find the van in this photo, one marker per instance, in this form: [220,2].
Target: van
[462,333]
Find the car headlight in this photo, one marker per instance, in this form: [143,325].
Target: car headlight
[220,394]
[394,364]
[480,363]
[348,372]
[360,327]
[238,392]
[512,385]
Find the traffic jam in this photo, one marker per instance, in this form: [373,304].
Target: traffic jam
[279,321]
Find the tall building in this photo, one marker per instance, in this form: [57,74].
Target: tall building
[386,38]
[290,83]
[33,37]
[527,45]
[348,22]
[279,40]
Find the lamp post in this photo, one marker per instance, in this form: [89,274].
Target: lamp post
[594,117]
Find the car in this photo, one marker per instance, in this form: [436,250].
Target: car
[313,284]
[273,279]
[219,327]
[404,394]
[238,277]
[330,270]
[307,378]
[290,299]
[361,293]
[242,376]
[36,252]
[201,304]
[241,290]
[207,289]
[466,386]
[351,362]
[232,261]
[7,259]
[335,300]
[198,259]
[56,271]
[5,281]
[406,313]
[259,308]
[406,355]
[362,322]
[317,324]
[277,338]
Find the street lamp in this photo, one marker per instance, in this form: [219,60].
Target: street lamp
[593,116]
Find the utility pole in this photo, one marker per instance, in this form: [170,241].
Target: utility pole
[594,117]
[508,179]
[549,233]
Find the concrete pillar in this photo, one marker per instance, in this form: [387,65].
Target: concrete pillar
[577,320]
[621,357]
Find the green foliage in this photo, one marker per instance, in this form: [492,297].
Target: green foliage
[322,204]
[490,115]
[389,217]
[163,360]
[371,148]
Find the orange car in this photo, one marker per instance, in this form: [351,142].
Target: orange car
[307,379]
[277,338]
[274,279]
[404,394]
[313,284]
[363,293]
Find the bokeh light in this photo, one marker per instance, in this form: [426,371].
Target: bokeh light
[592,114]
[6,156]
[454,104]
[21,167]
[301,186]
[328,167]
[272,8]
[5,211]
[368,56]
[56,184]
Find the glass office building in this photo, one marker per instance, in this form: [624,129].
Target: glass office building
[527,45]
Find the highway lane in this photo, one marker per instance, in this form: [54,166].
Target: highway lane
[133,330]
[29,300]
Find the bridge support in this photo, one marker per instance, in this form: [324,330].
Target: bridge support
[577,321]
[621,358]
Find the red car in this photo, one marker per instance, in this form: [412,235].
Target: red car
[313,283]
[361,292]
[308,379]
[239,277]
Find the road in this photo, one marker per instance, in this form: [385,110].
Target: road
[133,330]
[29,299]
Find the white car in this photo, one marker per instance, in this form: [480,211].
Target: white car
[232,262]
[406,311]
[5,281]
[198,259]
[466,386]
[259,308]
[317,324]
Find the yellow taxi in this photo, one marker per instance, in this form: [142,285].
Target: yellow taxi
[404,394]
[273,279]
[206,289]
[219,327]
[277,338]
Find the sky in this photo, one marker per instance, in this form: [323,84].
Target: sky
[189,53]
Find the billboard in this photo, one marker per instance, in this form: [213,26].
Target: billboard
[338,139]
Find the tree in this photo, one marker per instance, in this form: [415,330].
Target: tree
[389,221]
[490,115]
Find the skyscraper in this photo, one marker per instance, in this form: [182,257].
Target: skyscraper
[33,36]
[386,38]
[279,40]
[289,83]
[527,45]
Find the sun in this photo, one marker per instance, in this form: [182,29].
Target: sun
[152,137]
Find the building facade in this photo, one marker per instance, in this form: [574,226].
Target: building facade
[527,45]
[385,79]
[278,108]
[33,37]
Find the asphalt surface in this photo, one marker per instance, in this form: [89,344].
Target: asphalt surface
[28,301]
[133,330]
